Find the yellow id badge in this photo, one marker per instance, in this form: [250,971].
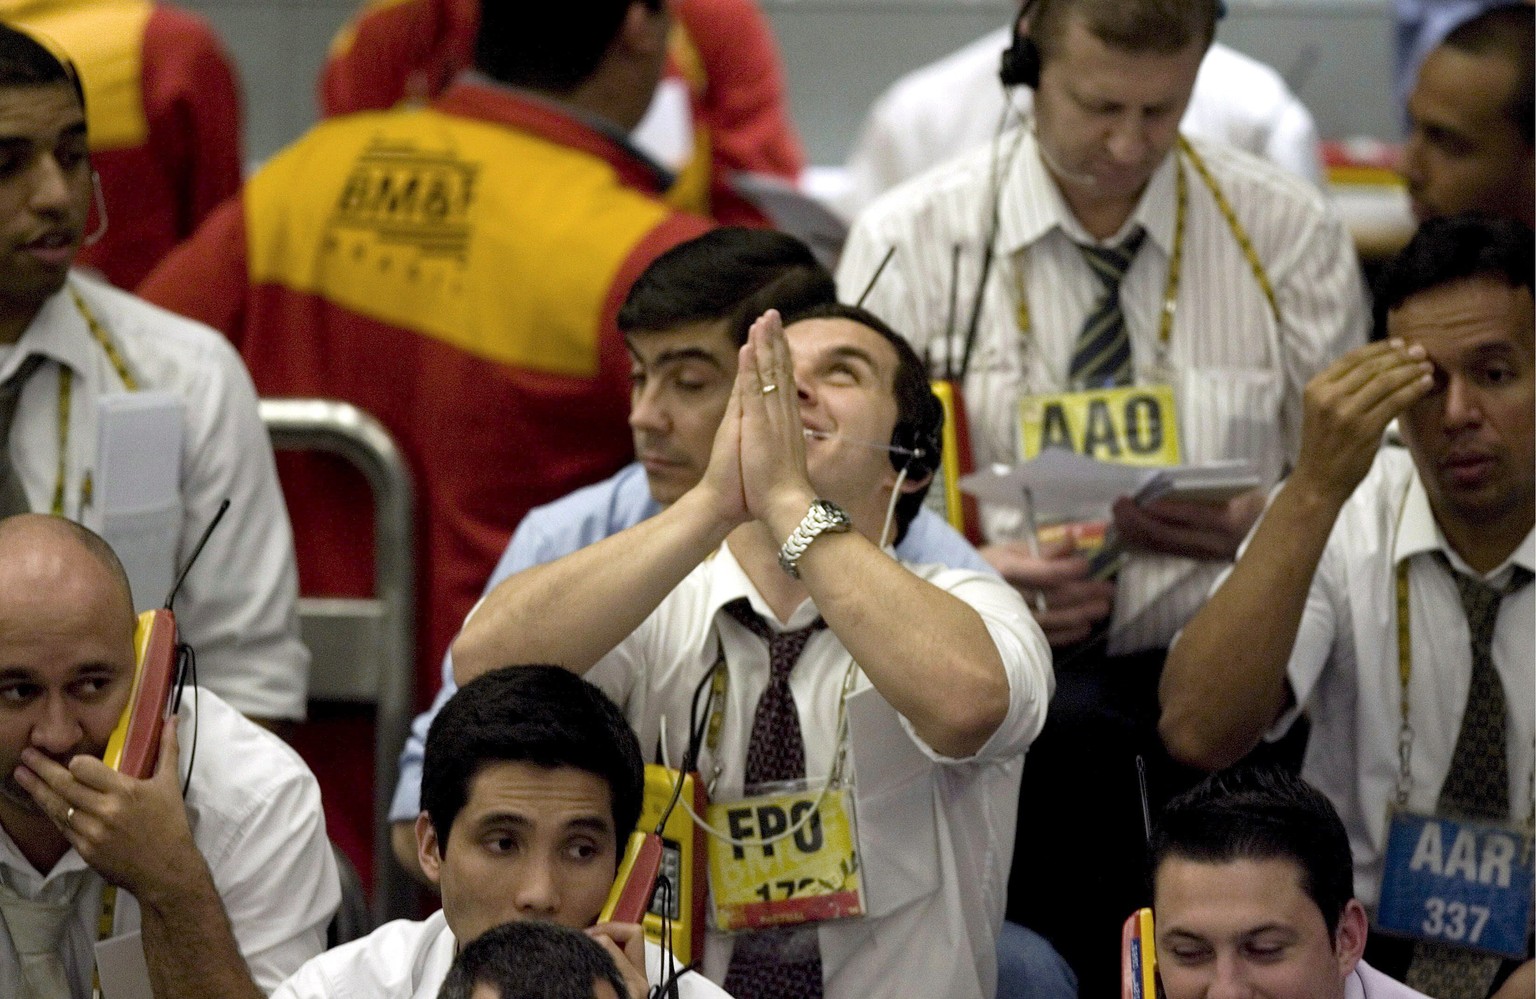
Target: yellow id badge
[773,876]
[1138,425]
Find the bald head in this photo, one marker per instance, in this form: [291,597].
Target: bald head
[41,554]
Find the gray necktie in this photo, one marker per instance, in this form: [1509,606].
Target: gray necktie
[1102,358]
[36,930]
[1477,784]
[13,498]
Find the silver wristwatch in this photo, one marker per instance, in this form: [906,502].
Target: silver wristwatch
[822,518]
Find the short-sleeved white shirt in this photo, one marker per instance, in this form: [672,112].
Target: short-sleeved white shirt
[1344,666]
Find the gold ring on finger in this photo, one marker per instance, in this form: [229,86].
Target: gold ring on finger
[770,387]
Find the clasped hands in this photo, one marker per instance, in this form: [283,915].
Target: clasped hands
[757,469]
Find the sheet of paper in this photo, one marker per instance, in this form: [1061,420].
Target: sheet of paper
[1065,485]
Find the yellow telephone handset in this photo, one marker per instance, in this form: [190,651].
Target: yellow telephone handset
[1138,958]
[134,745]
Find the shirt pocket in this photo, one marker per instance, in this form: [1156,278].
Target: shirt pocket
[1230,413]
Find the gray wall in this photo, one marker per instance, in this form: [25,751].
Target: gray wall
[841,53]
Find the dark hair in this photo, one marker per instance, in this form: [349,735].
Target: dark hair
[544,715]
[1261,813]
[732,274]
[1161,26]
[532,960]
[1446,250]
[1505,31]
[919,414]
[553,47]
[27,62]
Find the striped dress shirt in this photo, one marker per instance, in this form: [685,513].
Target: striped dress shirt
[1237,373]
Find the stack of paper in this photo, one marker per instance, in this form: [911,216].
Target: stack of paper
[1064,485]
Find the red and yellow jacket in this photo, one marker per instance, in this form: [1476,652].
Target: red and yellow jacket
[723,50]
[455,270]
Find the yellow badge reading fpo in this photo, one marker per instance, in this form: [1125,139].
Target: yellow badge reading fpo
[1133,426]
[807,877]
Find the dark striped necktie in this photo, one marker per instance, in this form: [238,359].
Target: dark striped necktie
[1103,355]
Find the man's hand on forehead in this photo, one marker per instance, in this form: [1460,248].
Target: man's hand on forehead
[1346,409]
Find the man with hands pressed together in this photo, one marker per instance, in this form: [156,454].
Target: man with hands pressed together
[1362,546]
[234,882]
[783,533]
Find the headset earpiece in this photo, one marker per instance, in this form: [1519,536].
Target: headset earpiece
[1021,60]
[1021,64]
[916,446]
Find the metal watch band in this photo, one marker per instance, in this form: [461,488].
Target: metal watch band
[822,518]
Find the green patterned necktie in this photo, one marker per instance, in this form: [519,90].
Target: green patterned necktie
[1477,784]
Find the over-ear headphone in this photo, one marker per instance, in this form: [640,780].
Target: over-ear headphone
[916,444]
[1021,59]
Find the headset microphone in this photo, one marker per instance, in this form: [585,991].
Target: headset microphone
[1056,167]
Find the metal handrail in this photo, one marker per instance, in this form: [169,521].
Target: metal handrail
[344,430]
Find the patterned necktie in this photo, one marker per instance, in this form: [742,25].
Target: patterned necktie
[1103,355]
[37,933]
[13,499]
[1477,784]
[775,964]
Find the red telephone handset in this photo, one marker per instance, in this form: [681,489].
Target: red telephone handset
[135,743]
[630,897]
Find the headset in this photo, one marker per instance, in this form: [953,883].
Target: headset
[1020,65]
[916,442]
[1021,59]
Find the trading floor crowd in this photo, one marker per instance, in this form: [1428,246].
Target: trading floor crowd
[740,694]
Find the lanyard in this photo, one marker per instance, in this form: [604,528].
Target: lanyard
[66,394]
[1176,259]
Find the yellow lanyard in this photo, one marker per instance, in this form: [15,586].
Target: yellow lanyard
[66,393]
[1176,259]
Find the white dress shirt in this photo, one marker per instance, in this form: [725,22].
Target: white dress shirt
[238,606]
[951,106]
[1365,982]
[935,834]
[1344,665]
[1237,373]
[409,959]
[255,813]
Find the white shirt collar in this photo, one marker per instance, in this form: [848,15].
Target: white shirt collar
[1418,533]
[729,582]
[1036,205]
[58,332]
